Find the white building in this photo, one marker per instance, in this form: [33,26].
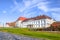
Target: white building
[42,21]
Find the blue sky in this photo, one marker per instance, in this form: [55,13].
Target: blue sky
[10,10]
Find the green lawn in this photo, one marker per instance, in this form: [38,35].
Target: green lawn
[37,34]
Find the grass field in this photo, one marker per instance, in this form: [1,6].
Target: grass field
[37,34]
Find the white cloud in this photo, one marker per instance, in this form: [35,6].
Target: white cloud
[15,7]
[56,16]
[55,10]
[55,13]
[4,11]
[43,6]
[27,4]
[40,3]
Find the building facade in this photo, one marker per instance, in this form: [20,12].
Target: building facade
[41,21]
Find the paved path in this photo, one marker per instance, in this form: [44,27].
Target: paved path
[7,36]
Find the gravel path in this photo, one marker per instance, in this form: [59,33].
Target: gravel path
[7,36]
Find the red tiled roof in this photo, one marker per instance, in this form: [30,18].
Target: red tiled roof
[38,17]
[43,17]
[11,24]
[22,18]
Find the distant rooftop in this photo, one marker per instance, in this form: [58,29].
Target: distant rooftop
[38,17]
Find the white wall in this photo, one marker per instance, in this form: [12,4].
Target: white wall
[42,23]
[18,23]
[49,22]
